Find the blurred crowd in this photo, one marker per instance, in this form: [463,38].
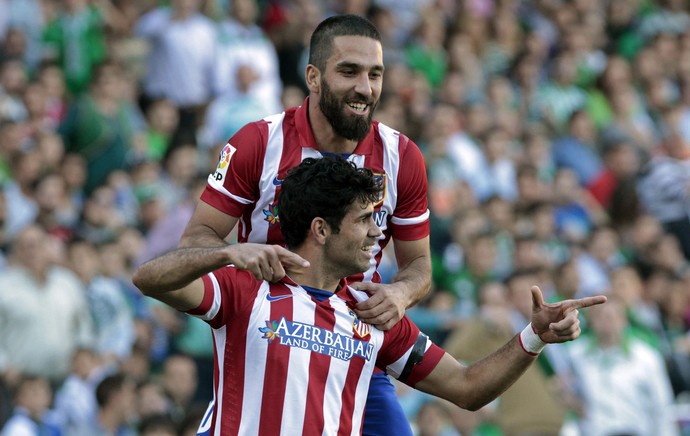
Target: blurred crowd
[557,140]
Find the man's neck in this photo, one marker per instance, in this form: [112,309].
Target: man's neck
[316,281]
[109,421]
[318,275]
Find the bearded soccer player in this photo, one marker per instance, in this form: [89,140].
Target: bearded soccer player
[344,77]
[292,357]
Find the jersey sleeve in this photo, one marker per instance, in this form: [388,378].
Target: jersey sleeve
[227,292]
[410,220]
[408,354]
[235,182]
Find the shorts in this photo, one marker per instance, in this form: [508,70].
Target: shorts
[383,415]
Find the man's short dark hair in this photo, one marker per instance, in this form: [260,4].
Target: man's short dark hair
[109,387]
[323,188]
[321,43]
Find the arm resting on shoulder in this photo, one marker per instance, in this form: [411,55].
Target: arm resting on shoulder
[175,277]
[209,227]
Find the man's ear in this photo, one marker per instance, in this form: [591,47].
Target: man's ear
[320,230]
[313,77]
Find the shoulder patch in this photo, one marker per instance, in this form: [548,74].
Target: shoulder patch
[224,162]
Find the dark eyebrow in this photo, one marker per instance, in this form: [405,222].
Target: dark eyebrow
[367,214]
[356,66]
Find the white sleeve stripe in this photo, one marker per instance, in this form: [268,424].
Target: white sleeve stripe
[410,221]
[396,368]
[215,306]
[222,190]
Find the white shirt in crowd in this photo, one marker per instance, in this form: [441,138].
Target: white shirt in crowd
[625,389]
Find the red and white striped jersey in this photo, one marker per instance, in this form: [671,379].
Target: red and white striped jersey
[289,363]
[252,165]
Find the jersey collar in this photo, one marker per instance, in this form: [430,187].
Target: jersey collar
[364,147]
[342,286]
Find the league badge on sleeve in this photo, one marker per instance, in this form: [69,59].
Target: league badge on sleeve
[223,162]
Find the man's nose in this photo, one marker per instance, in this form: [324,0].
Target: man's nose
[363,86]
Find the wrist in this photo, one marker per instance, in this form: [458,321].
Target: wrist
[530,341]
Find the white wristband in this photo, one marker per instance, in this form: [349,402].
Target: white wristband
[530,341]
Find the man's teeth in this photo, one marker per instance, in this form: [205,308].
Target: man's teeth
[358,106]
[368,248]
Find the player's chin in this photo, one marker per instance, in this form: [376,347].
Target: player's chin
[365,267]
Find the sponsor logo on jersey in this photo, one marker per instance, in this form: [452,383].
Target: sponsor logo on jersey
[277,181]
[316,339]
[271,214]
[380,217]
[272,298]
[224,162]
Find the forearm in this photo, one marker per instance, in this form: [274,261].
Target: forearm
[178,268]
[494,374]
[416,280]
[472,387]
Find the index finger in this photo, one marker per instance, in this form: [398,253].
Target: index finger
[587,302]
[290,259]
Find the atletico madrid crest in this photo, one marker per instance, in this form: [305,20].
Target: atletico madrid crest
[360,328]
[383,180]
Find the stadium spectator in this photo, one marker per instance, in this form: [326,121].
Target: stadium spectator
[100,126]
[243,44]
[179,380]
[116,399]
[578,149]
[108,305]
[181,59]
[76,39]
[162,121]
[611,370]
[45,315]
[32,414]
[160,425]
[13,81]
[664,187]
[75,399]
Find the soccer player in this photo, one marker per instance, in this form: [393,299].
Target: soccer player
[292,357]
[344,77]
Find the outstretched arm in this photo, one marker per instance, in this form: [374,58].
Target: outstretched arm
[472,387]
[174,278]
[209,227]
[387,302]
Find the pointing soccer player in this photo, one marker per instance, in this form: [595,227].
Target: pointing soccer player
[292,356]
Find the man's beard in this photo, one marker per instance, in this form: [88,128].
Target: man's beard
[350,127]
